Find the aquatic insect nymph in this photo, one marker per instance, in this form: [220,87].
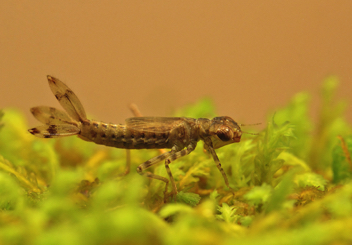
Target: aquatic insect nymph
[180,134]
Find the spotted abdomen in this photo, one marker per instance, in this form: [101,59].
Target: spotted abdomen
[122,136]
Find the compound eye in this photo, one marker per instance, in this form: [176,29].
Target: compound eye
[224,133]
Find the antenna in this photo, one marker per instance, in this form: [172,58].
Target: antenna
[249,125]
[249,133]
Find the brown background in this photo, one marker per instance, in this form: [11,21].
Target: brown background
[249,56]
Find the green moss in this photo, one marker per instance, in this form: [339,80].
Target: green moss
[292,182]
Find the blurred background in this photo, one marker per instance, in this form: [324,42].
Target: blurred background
[250,57]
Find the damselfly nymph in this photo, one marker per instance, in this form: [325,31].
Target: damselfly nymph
[179,134]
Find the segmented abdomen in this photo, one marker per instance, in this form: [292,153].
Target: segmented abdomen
[120,136]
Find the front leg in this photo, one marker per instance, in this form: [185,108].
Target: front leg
[209,147]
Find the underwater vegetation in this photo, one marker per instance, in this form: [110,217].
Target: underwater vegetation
[292,182]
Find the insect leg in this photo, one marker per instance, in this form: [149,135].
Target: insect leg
[210,148]
[175,155]
[128,162]
[150,163]
[169,157]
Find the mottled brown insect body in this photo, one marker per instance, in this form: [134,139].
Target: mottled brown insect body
[165,133]
[180,134]
[103,133]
